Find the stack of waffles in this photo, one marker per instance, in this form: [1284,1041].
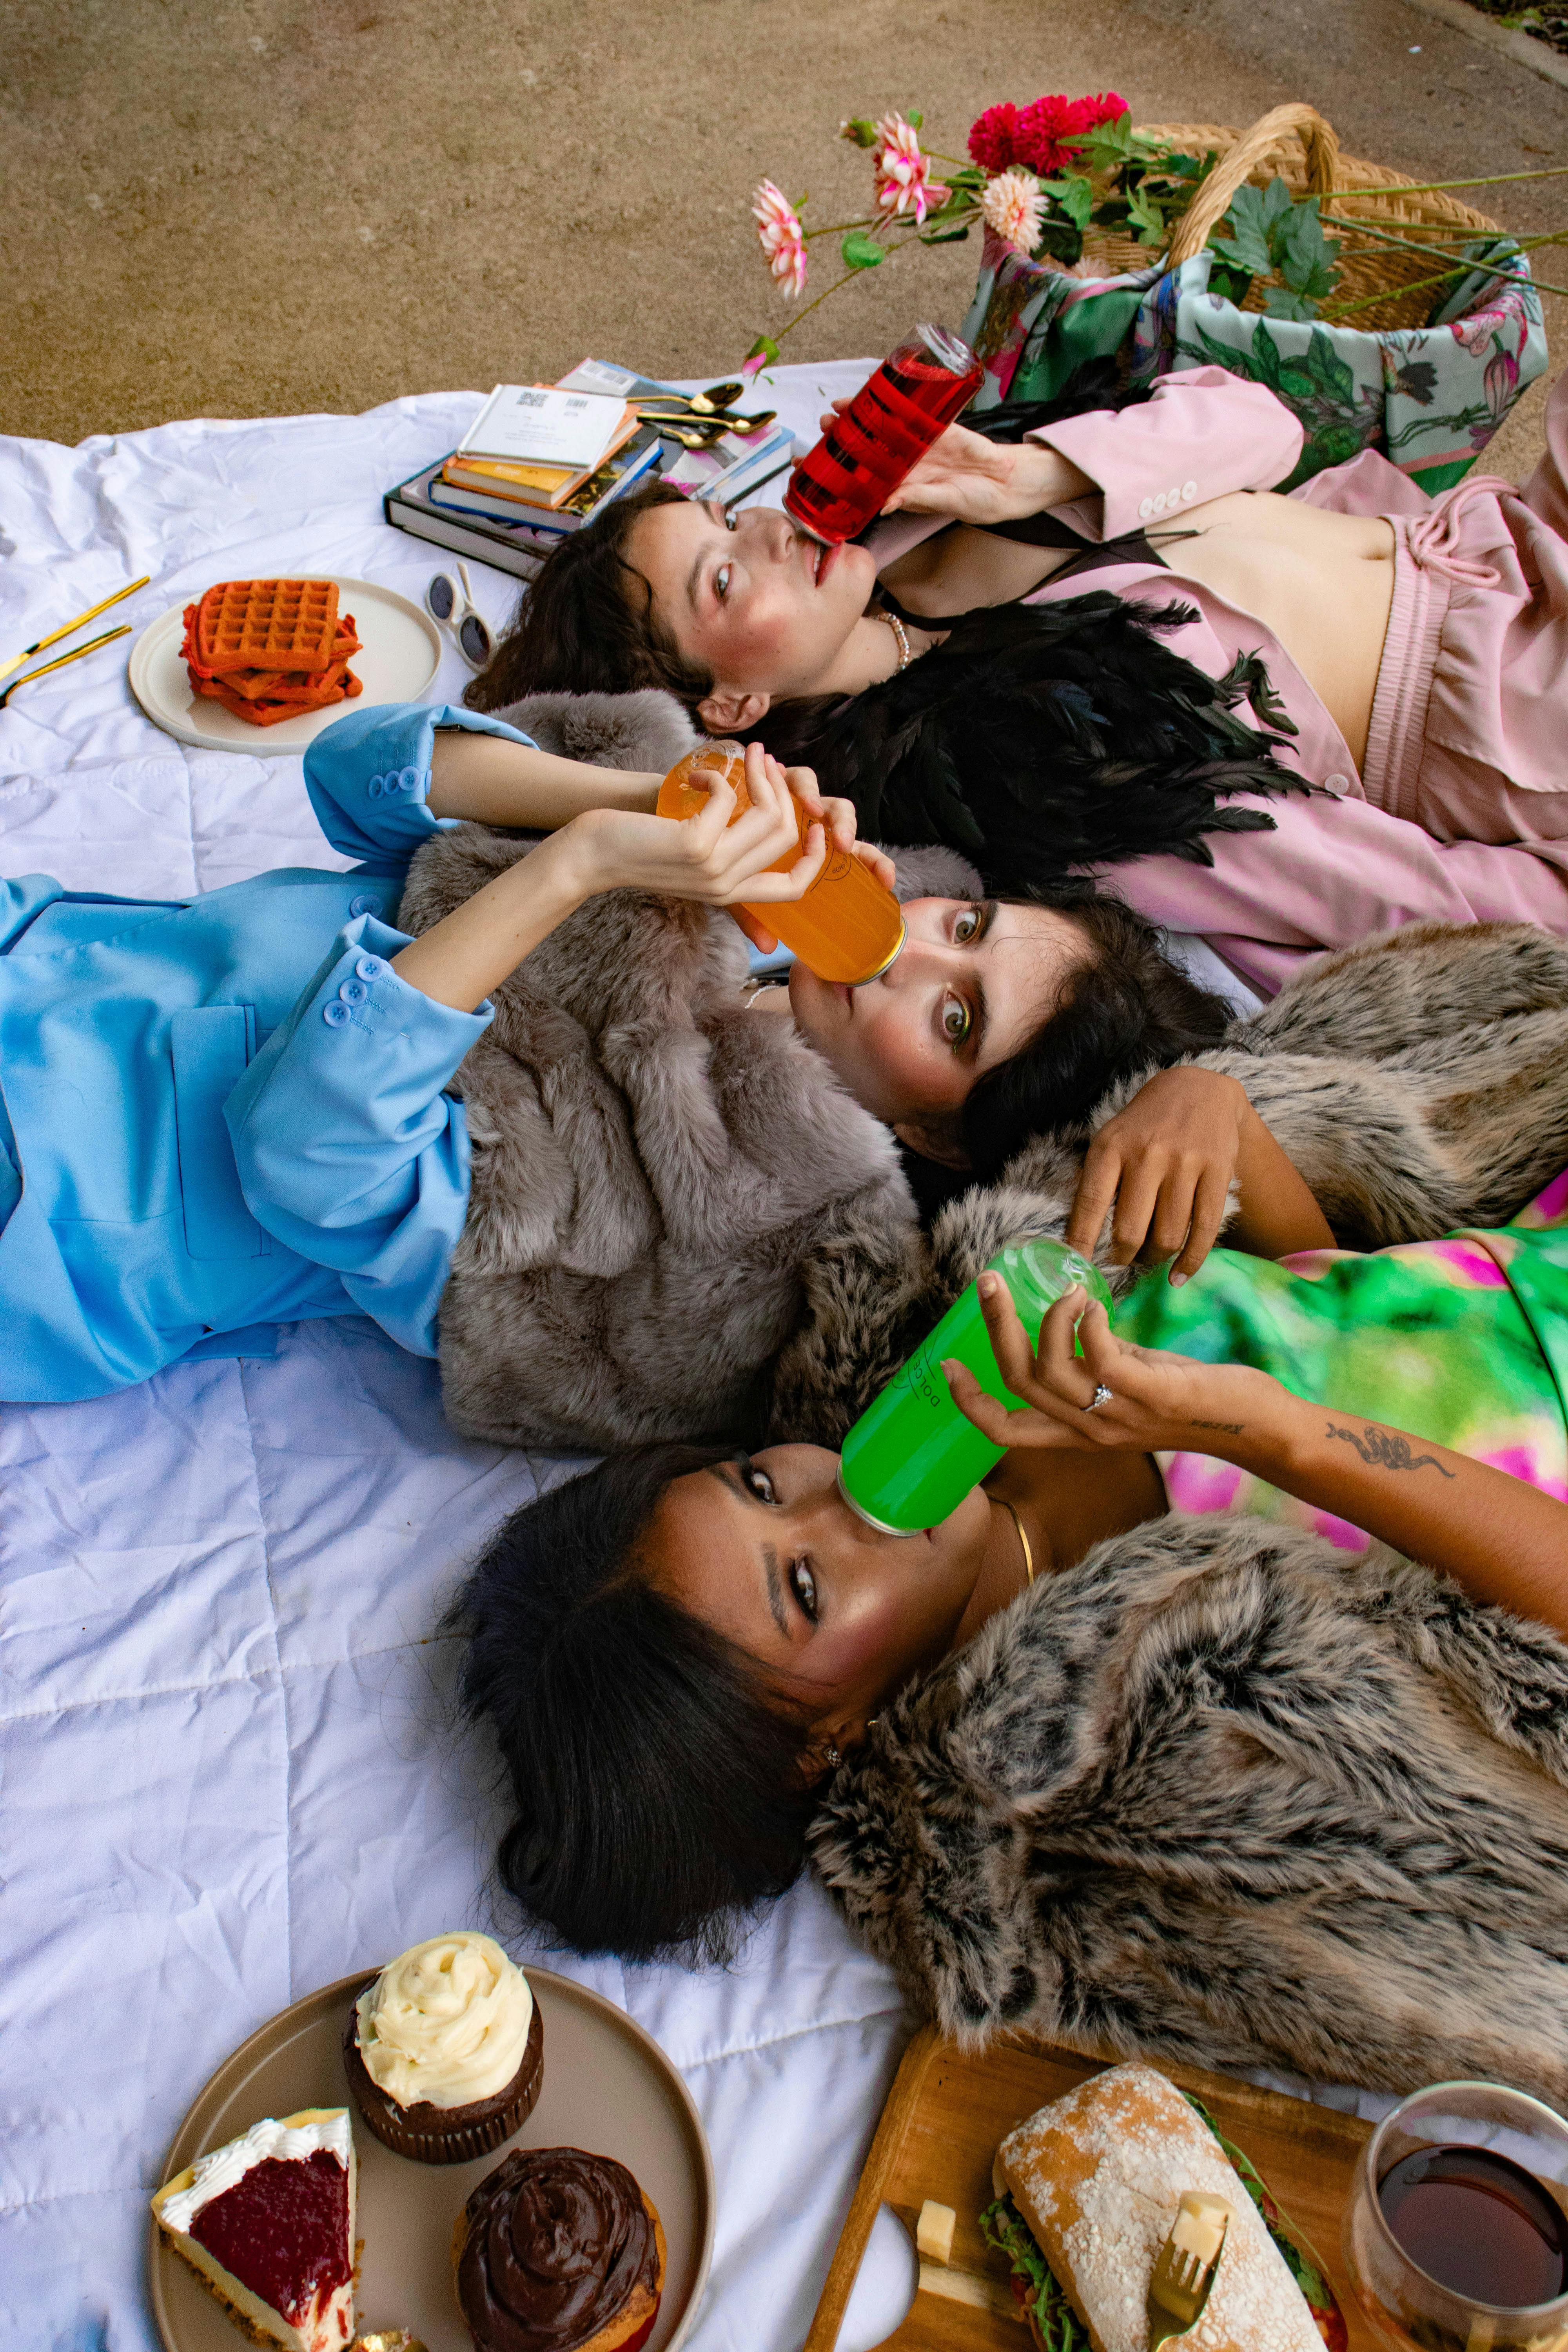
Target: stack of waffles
[270,649]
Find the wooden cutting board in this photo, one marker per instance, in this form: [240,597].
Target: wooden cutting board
[948,2110]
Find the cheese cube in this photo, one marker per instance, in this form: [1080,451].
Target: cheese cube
[934,2232]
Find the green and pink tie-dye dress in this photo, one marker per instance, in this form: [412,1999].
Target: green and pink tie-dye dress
[1463,1341]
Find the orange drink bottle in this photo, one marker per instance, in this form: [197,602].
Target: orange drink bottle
[849,927]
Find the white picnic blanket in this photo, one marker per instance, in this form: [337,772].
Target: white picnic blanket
[226,1770]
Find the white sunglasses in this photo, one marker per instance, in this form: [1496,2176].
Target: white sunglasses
[455,610]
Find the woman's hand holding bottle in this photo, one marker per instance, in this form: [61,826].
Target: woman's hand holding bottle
[461,959]
[706,857]
[979,481]
[1158,1401]
[1504,1540]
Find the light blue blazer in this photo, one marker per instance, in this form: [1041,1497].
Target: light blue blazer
[229,1112]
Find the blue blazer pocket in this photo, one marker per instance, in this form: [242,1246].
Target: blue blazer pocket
[211,1045]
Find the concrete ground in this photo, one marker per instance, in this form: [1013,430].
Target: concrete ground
[241,207]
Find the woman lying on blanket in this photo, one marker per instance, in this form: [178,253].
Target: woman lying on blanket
[234,1113]
[1407,661]
[676,1649]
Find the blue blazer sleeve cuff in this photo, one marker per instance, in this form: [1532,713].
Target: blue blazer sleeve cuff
[368,775]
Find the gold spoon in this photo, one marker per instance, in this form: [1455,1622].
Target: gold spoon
[702,432]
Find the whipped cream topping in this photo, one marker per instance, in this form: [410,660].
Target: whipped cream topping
[219,2171]
[445,2023]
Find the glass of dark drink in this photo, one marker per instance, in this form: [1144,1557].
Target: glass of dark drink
[844,482]
[1456,2235]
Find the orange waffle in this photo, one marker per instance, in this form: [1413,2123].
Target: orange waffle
[262,694]
[336,686]
[288,625]
[288,685]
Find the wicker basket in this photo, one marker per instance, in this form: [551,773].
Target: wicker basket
[1295,144]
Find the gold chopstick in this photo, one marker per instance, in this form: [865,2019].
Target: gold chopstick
[60,660]
[91,614]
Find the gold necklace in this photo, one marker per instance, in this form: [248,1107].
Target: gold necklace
[1028,1556]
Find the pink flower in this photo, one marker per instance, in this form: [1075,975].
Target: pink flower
[1013,206]
[782,237]
[994,138]
[904,183]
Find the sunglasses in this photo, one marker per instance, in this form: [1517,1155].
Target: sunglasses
[454,608]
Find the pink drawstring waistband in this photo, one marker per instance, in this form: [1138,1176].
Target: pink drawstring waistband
[1430,537]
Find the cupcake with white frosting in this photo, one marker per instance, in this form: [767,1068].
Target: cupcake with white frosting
[445,2051]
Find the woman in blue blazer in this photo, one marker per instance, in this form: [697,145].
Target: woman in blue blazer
[227,1113]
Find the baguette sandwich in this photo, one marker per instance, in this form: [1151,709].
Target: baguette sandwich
[1096,2177]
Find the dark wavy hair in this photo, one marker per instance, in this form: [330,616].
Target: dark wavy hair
[655,1780]
[1126,1010]
[587,626]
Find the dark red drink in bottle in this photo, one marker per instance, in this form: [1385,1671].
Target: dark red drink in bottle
[846,480]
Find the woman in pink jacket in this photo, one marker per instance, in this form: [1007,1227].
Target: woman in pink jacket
[1373,732]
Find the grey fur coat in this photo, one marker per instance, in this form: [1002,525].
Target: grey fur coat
[1217,1795]
[681,1225]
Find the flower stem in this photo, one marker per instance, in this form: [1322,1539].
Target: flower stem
[841,228]
[833,289]
[1430,187]
[1419,285]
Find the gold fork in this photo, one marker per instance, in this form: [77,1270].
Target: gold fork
[1185,2265]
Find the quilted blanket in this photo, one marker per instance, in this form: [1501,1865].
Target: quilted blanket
[228,1773]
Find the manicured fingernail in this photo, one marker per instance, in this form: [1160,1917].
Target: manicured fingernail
[950,1364]
[989,1284]
[1177,1280]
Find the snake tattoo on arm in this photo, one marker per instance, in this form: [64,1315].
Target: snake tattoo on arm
[1381,1451]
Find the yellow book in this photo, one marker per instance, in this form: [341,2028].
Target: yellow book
[532,484]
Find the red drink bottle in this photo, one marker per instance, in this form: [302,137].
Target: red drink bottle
[846,480]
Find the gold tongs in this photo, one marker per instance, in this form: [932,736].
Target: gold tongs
[39,644]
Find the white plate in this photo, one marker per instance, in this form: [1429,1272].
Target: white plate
[401,650]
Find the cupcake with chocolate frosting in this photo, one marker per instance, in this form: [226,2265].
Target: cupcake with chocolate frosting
[445,2051]
[559,2252]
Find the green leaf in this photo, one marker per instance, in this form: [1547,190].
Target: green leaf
[1229,283]
[860,251]
[1307,257]
[915,121]
[944,235]
[1247,248]
[1275,207]
[1108,146]
[863,133]
[1284,302]
[1075,196]
[1146,217]
[1336,376]
[1266,357]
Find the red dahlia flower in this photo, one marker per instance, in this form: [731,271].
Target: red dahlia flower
[994,138]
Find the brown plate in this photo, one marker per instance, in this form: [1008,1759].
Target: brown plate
[946,2112]
[608,2087]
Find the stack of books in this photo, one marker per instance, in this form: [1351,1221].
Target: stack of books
[541,460]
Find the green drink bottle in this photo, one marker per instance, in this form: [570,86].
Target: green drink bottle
[911,1457]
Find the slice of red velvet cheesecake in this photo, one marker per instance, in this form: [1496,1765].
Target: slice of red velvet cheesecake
[266,2222]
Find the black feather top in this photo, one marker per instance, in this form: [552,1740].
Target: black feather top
[1041,738]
